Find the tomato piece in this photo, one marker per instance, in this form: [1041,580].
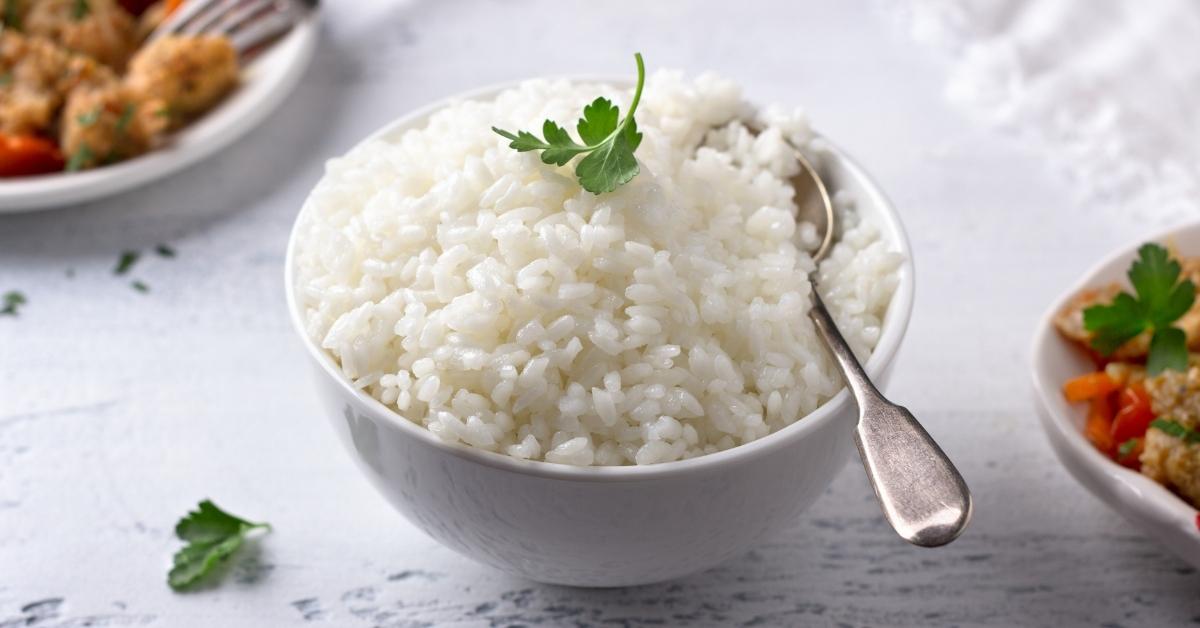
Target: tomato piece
[1134,414]
[23,155]
[136,7]
[1089,386]
[1099,424]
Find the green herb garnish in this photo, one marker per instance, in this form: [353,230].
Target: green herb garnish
[80,158]
[6,79]
[126,261]
[608,141]
[126,117]
[1172,428]
[164,251]
[1161,300]
[140,286]
[1127,447]
[80,10]
[12,302]
[12,15]
[212,535]
[88,118]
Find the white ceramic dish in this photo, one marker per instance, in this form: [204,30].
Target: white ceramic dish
[1157,511]
[607,526]
[266,81]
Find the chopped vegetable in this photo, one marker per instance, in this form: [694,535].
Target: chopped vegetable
[12,14]
[126,261]
[212,535]
[1133,416]
[1099,424]
[80,159]
[609,142]
[164,251]
[1129,452]
[88,118]
[80,10]
[140,286]
[1089,386]
[24,155]
[1161,300]
[126,118]
[12,302]
[1171,428]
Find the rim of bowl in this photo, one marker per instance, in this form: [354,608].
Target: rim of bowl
[1154,499]
[894,327]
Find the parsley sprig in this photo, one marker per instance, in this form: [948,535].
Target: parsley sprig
[212,535]
[608,142]
[1161,300]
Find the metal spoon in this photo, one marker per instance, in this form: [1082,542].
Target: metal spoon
[923,496]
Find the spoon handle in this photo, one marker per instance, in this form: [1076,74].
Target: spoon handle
[922,494]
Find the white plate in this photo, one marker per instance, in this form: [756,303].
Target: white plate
[266,81]
[1157,511]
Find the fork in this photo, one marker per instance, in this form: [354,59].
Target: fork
[247,23]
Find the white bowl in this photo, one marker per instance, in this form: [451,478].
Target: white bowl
[1157,511]
[265,83]
[607,526]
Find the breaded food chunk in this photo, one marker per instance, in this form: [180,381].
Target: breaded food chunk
[35,77]
[100,29]
[1166,459]
[103,125]
[1069,321]
[189,74]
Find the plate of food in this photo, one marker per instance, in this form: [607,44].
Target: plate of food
[101,96]
[1116,374]
[590,362]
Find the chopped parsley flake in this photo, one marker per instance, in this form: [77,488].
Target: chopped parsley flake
[80,10]
[12,302]
[88,118]
[140,286]
[80,158]
[126,117]
[1173,428]
[164,251]
[127,260]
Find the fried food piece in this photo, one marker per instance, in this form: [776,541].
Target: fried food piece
[1069,321]
[1166,459]
[100,29]
[103,125]
[188,73]
[35,77]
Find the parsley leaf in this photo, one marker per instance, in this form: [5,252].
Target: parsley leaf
[609,142]
[1161,299]
[1172,428]
[140,286]
[164,251]
[212,535]
[12,302]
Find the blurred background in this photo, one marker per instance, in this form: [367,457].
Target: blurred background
[1021,141]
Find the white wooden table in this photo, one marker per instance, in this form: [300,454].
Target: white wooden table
[120,410]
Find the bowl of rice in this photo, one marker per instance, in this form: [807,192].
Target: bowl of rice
[593,390]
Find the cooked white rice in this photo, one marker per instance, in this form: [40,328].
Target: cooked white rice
[486,296]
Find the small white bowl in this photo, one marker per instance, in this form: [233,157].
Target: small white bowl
[606,526]
[1161,514]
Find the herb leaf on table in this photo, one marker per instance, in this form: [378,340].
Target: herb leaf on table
[609,142]
[1161,299]
[12,302]
[212,536]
